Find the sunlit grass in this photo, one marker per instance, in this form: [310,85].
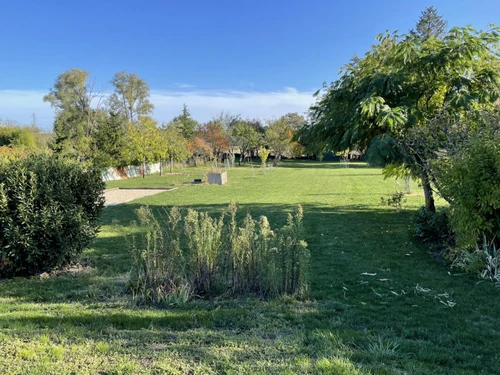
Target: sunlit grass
[379,304]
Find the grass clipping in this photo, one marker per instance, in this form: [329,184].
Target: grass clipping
[176,257]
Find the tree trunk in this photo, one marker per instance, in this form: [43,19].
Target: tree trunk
[171,162]
[428,194]
[241,157]
[144,169]
[277,159]
[161,168]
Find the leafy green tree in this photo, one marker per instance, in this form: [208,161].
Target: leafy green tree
[131,96]
[263,155]
[295,121]
[18,136]
[144,142]
[400,85]
[109,140]
[430,24]
[185,124]
[245,137]
[175,146]
[468,176]
[77,109]
[279,136]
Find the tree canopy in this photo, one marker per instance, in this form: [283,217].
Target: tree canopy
[430,24]
[403,82]
[131,96]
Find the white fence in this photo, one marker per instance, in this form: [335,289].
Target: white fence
[112,174]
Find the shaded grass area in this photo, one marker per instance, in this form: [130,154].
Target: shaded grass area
[379,304]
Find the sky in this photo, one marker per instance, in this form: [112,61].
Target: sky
[256,58]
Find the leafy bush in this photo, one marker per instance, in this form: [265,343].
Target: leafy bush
[433,229]
[470,180]
[49,212]
[396,200]
[218,256]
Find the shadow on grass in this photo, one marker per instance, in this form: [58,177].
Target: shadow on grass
[323,164]
[329,233]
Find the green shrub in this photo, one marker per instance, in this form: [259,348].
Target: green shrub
[433,229]
[396,200]
[470,180]
[49,211]
[483,261]
[219,256]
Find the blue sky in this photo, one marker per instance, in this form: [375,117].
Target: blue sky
[256,58]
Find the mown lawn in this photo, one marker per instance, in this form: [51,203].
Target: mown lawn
[379,303]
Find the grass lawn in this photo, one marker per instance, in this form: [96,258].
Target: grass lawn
[379,303]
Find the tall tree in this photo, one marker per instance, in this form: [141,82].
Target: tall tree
[131,96]
[430,24]
[77,106]
[144,142]
[175,146]
[279,138]
[185,124]
[245,137]
[295,121]
[214,135]
[109,139]
[401,84]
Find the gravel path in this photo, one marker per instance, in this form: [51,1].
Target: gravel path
[117,196]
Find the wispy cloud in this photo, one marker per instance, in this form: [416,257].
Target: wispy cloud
[203,104]
[184,86]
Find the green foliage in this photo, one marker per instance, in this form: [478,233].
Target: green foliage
[185,124]
[108,141]
[27,137]
[49,211]
[469,179]
[396,200]
[430,24]
[245,137]
[263,155]
[217,257]
[279,138]
[72,96]
[144,142]
[433,229]
[131,96]
[175,147]
[484,261]
[401,84]
[158,273]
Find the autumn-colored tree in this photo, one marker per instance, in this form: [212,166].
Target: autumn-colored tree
[214,135]
[199,148]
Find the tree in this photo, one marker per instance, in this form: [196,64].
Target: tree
[131,96]
[77,107]
[279,137]
[245,137]
[214,135]
[185,124]
[175,147]
[263,155]
[401,84]
[430,24]
[199,148]
[109,139]
[295,121]
[144,142]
